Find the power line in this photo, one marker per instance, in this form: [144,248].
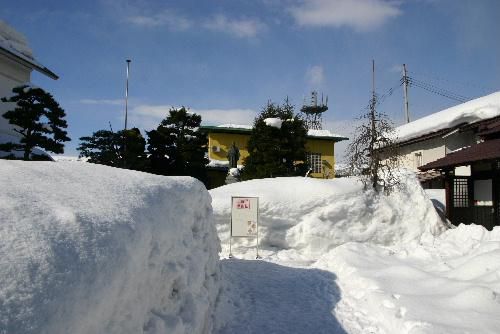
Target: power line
[434,77]
[437,90]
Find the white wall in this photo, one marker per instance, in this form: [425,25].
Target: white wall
[12,74]
[434,148]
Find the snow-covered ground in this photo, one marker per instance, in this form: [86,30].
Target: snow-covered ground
[448,284]
[93,249]
[337,260]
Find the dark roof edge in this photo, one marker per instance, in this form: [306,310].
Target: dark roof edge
[28,63]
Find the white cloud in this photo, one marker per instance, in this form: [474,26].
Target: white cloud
[149,116]
[315,76]
[361,15]
[165,18]
[114,102]
[242,28]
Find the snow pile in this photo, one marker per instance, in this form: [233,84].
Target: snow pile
[447,284]
[302,218]
[274,122]
[469,112]
[220,163]
[93,249]
[14,41]
[234,172]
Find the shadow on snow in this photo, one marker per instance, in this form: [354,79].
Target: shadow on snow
[263,297]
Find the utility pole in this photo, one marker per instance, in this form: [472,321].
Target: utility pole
[126,94]
[405,92]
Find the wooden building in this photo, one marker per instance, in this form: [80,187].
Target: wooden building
[473,193]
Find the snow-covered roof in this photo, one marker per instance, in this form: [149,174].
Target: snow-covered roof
[323,133]
[466,113]
[14,45]
[235,126]
[320,134]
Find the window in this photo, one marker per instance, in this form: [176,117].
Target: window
[460,193]
[418,159]
[314,160]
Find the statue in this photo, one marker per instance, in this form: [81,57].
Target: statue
[233,155]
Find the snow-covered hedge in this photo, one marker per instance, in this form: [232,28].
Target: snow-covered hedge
[92,249]
[309,217]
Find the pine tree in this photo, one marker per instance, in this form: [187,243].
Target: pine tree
[124,149]
[100,148]
[39,120]
[276,151]
[177,147]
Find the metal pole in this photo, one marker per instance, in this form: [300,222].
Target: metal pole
[126,94]
[231,230]
[405,91]
[258,256]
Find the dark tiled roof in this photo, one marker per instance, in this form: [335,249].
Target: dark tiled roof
[488,150]
[490,128]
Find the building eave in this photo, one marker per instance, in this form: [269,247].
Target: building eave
[27,62]
[486,151]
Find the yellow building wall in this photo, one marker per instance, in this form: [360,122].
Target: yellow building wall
[224,141]
[327,149]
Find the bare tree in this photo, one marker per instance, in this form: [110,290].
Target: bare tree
[373,154]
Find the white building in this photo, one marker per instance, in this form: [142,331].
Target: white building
[434,136]
[16,64]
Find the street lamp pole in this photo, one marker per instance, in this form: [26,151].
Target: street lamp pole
[126,94]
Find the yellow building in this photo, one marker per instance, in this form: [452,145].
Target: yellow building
[320,146]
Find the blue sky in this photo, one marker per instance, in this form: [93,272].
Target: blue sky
[225,59]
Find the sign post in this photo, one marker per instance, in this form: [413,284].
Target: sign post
[244,219]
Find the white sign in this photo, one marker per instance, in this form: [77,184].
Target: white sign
[244,216]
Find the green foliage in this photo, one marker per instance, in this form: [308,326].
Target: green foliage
[177,147]
[276,151]
[118,149]
[39,120]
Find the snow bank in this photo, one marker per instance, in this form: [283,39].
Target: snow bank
[93,249]
[447,284]
[305,218]
[469,112]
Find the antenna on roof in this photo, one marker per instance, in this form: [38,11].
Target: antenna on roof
[313,112]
